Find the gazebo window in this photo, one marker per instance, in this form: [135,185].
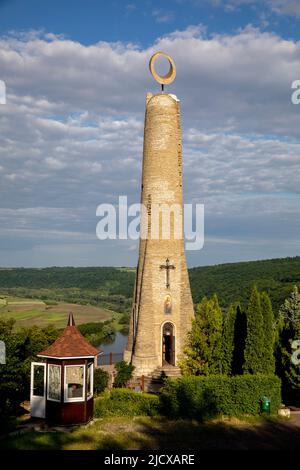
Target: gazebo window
[54,382]
[74,383]
[38,380]
[89,381]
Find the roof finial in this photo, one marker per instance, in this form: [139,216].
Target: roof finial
[71,321]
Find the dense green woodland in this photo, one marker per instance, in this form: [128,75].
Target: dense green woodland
[107,280]
[232,281]
[113,287]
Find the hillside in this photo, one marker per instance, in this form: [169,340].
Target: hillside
[233,281]
[113,287]
[108,280]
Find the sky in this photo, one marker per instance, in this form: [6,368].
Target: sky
[71,131]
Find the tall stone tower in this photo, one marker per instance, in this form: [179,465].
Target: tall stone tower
[162,310]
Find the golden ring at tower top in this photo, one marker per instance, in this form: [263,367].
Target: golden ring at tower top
[170,76]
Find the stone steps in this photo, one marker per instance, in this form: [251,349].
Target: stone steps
[163,372]
[154,381]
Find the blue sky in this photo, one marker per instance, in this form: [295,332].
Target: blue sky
[71,131]
[143,21]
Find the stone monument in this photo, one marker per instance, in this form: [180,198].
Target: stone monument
[162,310]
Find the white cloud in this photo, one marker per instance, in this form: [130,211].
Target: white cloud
[286,7]
[72,130]
[162,16]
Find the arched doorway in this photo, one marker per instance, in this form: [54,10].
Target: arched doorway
[168,344]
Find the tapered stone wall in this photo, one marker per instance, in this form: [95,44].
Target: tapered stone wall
[161,184]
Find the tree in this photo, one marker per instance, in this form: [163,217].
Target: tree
[124,373]
[269,337]
[288,362]
[101,378]
[240,335]
[229,339]
[21,348]
[33,340]
[254,346]
[290,309]
[11,378]
[203,352]
[234,338]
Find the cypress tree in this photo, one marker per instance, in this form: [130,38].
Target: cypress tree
[240,335]
[215,339]
[268,328]
[203,352]
[228,339]
[255,338]
[234,338]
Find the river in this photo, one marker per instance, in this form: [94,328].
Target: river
[116,346]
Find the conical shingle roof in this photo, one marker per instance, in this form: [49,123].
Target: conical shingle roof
[70,344]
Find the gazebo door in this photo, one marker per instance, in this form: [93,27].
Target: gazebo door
[38,390]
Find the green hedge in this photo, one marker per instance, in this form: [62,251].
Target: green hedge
[124,402]
[207,397]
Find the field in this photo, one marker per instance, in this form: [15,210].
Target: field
[28,312]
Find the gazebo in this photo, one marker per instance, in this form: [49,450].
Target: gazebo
[62,384]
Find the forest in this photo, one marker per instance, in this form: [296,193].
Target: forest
[113,287]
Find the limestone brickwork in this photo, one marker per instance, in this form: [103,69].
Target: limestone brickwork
[161,184]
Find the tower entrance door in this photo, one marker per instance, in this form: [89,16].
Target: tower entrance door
[168,345]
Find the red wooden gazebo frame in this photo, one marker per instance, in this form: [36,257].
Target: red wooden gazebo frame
[62,385]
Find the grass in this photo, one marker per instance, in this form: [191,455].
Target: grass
[116,317]
[20,315]
[28,312]
[158,433]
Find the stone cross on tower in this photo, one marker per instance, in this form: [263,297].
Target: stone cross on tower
[161,312]
[167,267]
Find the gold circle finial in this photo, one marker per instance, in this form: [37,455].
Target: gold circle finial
[163,79]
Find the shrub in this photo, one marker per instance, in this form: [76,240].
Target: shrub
[124,373]
[125,402]
[100,380]
[205,397]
